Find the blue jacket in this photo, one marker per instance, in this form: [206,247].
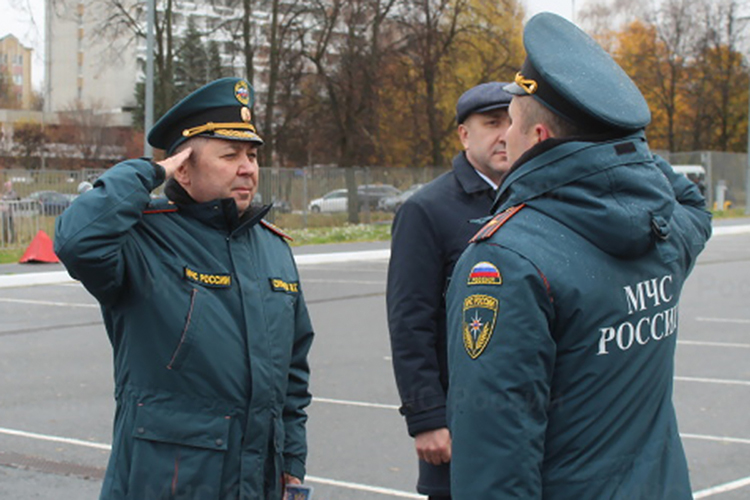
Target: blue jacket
[562,325]
[429,233]
[210,335]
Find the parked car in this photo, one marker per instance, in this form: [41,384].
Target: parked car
[51,202]
[371,194]
[334,201]
[393,203]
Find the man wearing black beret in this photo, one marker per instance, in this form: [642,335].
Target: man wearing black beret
[203,307]
[562,313]
[429,232]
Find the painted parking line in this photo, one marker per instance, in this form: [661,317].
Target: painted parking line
[712,344]
[313,479]
[713,381]
[730,230]
[48,303]
[722,488]
[362,404]
[725,320]
[61,277]
[717,439]
[362,487]
[740,483]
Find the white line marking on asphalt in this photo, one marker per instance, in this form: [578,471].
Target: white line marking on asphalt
[713,344]
[55,439]
[59,277]
[46,303]
[713,381]
[722,488]
[355,403]
[31,279]
[387,491]
[312,479]
[729,230]
[363,487]
[725,320]
[718,439]
[330,258]
[349,282]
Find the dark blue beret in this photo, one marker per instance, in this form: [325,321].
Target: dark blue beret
[567,71]
[484,97]
[220,109]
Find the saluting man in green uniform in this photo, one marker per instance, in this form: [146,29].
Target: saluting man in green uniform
[562,313]
[203,307]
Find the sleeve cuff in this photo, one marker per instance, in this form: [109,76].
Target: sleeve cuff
[161,174]
[426,421]
[294,467]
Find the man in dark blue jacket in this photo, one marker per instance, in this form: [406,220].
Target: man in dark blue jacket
[562,313]
[429,233]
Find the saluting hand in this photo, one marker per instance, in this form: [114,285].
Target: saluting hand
[434,447]
[174,162]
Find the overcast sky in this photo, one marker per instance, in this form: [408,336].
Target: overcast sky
[25,20]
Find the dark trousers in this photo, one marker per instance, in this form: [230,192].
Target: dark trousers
[438,498]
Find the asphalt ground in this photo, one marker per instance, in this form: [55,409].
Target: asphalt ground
[56,402]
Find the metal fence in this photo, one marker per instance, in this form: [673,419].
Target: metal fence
[293,190]
[727,172]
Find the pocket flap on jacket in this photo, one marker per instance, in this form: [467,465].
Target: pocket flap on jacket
[167,425]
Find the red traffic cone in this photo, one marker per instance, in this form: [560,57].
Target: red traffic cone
[40,250]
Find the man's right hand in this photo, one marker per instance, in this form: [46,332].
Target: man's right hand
[434,447]
[172,163]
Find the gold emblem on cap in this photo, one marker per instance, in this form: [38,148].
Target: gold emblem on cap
[242,92]
[530,86]
[246,115]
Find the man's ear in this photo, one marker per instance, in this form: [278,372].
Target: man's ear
[463,135]
[182,174]
[542,132]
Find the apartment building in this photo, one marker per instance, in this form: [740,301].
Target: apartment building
[93,58]
[15,62]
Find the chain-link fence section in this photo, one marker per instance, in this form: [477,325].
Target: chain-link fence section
[726,176]
[316,196]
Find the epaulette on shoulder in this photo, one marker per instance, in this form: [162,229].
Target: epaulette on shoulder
[275,230]
[160,207]
[496,222]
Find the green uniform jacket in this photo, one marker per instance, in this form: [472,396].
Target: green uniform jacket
[210,335]
[562,327]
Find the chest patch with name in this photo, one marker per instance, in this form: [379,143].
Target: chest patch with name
[208,279]
[279,285]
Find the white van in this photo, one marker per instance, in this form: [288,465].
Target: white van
[695,173]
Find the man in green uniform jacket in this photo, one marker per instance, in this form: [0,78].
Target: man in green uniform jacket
[203,308]
[562,314]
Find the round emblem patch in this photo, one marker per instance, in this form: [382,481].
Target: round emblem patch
[242,92]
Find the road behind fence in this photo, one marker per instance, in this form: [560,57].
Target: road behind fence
[293,191]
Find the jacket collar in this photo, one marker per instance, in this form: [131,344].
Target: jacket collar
[467,176]
[220,214]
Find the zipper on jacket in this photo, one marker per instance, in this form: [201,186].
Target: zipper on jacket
[193,294]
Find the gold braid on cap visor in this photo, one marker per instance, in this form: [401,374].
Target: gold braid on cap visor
[530,86]
[226,129]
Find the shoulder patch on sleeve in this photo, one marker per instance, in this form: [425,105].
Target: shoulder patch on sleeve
[274,229]
[496,222]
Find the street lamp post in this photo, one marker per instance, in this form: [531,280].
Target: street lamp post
[149,104]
